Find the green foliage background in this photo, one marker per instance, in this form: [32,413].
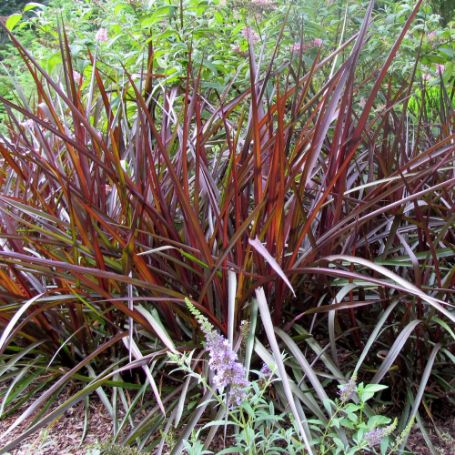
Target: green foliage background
[11,6]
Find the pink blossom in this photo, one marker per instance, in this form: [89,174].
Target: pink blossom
[77,77]
[250,34]
[262,4]
[440,68]
[432,36]
[101,35]
[426,76]
[297,47]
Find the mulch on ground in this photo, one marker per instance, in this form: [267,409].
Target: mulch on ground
[63,436]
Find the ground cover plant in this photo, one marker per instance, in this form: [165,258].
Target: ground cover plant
[296,212]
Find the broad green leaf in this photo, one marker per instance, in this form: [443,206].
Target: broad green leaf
[374,388]
[12,21]
[32,5]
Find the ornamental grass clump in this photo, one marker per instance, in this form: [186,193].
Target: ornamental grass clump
[119,197]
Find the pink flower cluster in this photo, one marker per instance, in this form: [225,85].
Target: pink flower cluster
[297,47]
[440,68]
[427,76]
[432,36]
[77,77]
[101,35]
[263,4]
[250,34]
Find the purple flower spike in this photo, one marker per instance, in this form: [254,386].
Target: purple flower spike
[374,437]
[228,371]
[347,391]
[265,370]
[223,361]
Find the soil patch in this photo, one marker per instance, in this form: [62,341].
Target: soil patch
[64,436]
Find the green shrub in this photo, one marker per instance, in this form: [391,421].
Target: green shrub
[8,7]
